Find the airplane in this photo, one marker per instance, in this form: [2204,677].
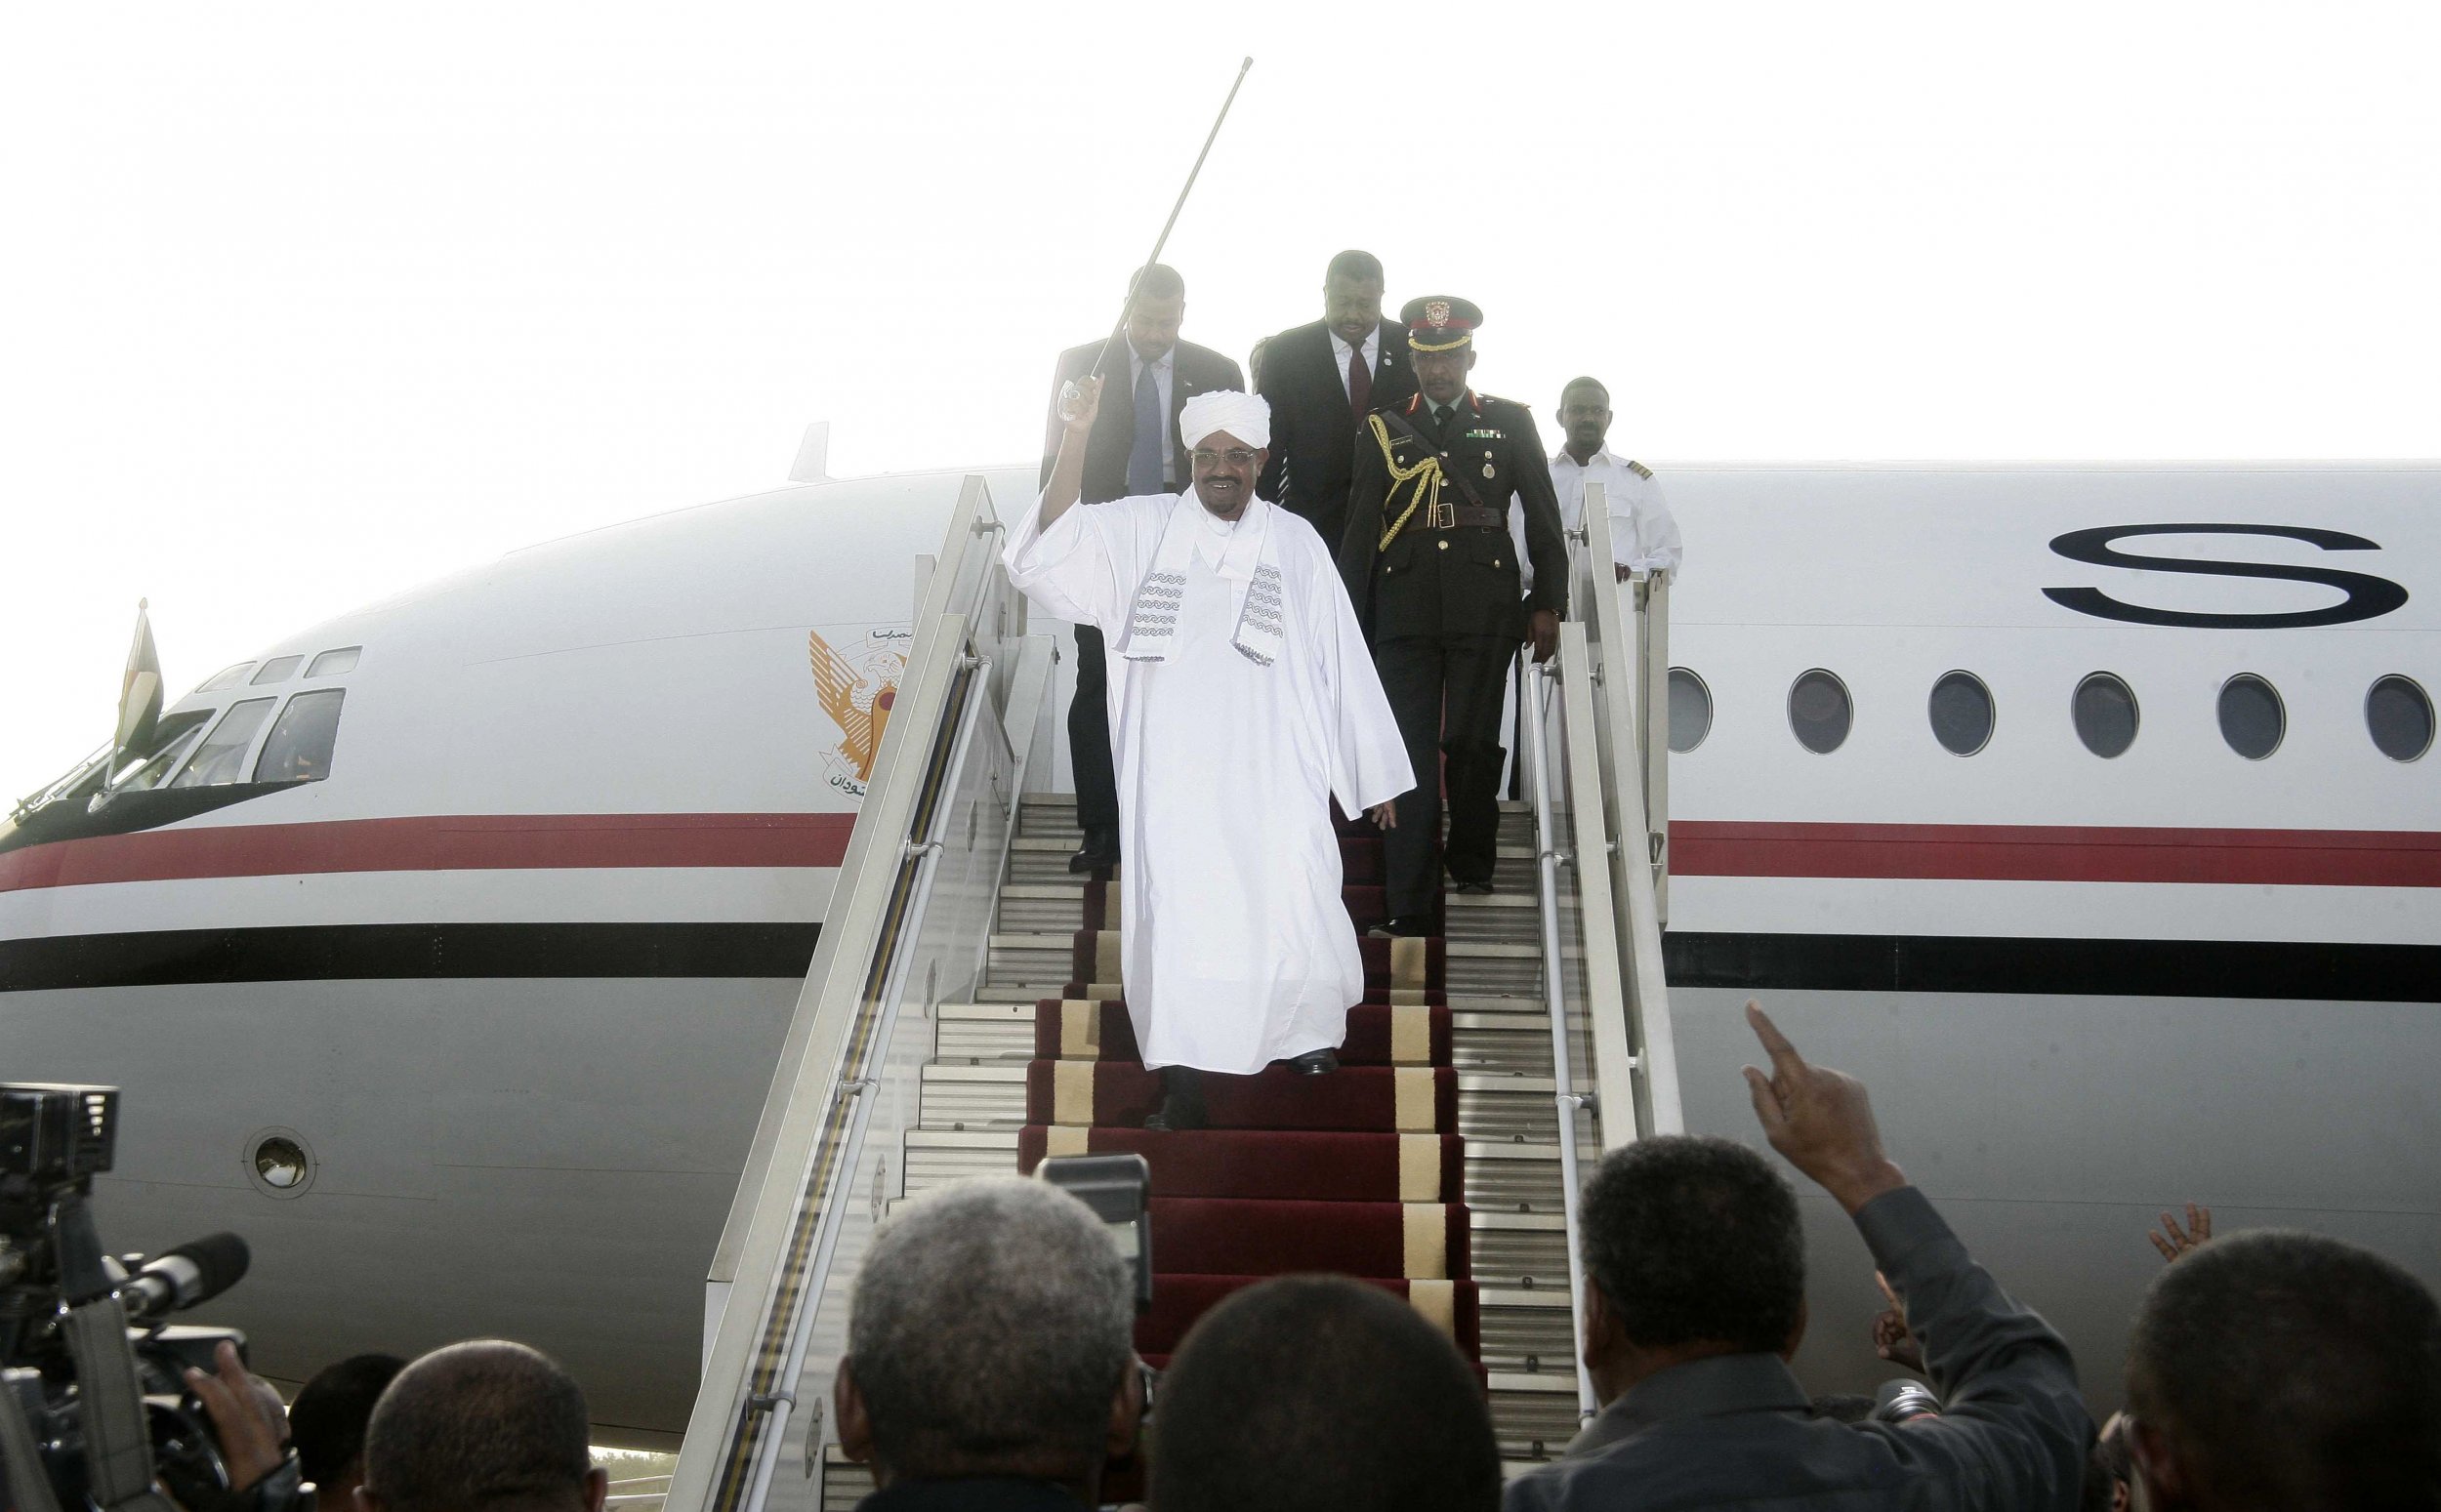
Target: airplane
[2087,811]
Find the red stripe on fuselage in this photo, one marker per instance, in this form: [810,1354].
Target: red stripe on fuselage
[2324,858]
[435,843]
[2053,854]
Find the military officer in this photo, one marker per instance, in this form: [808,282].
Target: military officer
[1428,563]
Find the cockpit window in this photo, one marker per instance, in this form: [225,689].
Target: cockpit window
[276,670]
[330,664]
[299,747]
[226,678]
[221,758]
[177,737]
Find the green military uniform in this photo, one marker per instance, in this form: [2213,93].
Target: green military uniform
[1433,571]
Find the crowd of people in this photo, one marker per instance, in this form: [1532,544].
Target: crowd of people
[989,1369]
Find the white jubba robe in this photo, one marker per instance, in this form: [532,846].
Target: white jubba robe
[1236,946]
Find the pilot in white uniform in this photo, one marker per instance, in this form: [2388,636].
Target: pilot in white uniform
[1644,537]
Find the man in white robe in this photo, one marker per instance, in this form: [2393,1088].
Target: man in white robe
[1242,702]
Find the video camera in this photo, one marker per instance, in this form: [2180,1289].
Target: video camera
[95,1413]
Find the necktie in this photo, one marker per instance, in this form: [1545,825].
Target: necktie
[1144,455]
[1359,383]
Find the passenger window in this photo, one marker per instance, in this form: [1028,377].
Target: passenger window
[1820,711]
[226,678]
[299,747]
[2105,713]
[221,758]
[2251,719]
[330,664]
[1690,710]
[2399,717]
[276,670]
[1962,714]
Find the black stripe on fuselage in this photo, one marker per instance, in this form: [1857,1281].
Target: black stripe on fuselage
[404,951]
[1837,962]
[2084,968]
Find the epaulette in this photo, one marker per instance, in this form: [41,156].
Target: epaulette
[1493,398]
[1639,470]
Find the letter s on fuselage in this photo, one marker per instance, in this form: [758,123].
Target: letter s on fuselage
[2368,596]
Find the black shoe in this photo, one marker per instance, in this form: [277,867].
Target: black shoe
[1181,1101]
[1480,889]
[1314,1063]
[1099,853]
[1406,926]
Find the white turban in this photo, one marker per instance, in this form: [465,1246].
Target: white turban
[1246,416]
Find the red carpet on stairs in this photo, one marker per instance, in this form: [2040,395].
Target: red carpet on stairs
[1360,1171]
[1377,1034]
[1296,1164]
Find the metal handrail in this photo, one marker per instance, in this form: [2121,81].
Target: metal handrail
[1625,723]
[784,1227]
[923,857]
[1564,1098]
[970,525]
[1618,1107]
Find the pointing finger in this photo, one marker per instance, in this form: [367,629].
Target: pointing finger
[1784,1057]
[1767,1109]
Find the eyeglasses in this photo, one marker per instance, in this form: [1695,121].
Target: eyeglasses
[1235,457]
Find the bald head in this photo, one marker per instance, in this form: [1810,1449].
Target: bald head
[482,1426]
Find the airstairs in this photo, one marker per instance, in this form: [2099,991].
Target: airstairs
[962,1018]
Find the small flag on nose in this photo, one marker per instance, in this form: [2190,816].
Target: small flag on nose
[139,690]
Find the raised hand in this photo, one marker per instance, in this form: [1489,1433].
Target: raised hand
[2175,1242]
[1819,1119]
[1080,400]
[1891,1339]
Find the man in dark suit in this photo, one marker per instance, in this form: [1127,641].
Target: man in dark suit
[1322,380]
[1433,575]
[1133,448]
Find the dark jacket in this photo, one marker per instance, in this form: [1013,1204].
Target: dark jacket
[1313,433]
[1461,581]
[977,1493]
[1735,1431]
[1197,370]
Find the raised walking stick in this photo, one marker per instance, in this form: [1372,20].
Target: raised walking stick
[1068,392]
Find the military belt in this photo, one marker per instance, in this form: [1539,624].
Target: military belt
[1460,517]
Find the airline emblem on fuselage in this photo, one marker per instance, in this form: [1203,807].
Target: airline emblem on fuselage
[857,689]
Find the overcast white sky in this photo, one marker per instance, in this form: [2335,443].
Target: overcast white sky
[301,305]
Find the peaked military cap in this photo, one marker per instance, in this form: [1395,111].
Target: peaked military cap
[1439,322]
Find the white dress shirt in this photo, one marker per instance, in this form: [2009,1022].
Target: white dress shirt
[1339,350]
[1644,537]
[1163,367]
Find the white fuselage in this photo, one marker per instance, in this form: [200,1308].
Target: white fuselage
[515,973]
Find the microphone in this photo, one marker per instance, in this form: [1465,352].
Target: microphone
[197,1271]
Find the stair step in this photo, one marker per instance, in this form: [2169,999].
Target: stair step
[992,1095]
[1488,971]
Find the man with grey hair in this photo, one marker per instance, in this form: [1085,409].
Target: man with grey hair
[484,1424]
[991,1360]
